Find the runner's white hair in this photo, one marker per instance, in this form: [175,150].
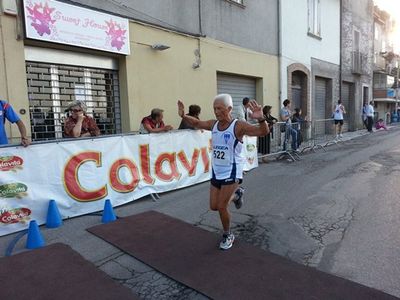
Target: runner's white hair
[225,98]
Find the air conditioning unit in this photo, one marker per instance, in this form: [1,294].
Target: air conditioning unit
[9,7]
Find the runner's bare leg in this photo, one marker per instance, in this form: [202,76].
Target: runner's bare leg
[220,199]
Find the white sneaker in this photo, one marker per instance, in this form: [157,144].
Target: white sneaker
[227,241]
[340,135]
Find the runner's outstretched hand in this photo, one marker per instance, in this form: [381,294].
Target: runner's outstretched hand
[256,109]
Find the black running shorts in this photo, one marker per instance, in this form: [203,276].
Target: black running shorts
[339,122]
[219,183]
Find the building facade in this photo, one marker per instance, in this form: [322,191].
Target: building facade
[356,59]
[189,50]
[385,66]
[310,55]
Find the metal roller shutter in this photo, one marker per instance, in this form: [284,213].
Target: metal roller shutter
[320,105]
[346,98]
[320,98]
[238,87]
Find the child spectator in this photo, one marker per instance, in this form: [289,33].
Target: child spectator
[380,124]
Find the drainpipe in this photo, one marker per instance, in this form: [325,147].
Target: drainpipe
[279,41]
[197,52]
[341,45]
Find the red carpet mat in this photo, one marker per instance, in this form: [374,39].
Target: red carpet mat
[190,255]
[56,272]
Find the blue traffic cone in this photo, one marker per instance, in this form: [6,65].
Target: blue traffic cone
[35,239]
[54,219]
[108,213]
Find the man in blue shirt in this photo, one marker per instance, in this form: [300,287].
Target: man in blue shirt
[7,112]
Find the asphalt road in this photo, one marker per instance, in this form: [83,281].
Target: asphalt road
[338,211]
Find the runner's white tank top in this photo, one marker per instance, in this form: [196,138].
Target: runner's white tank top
[227,158]
[338,115]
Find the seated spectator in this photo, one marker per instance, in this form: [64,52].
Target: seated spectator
[154,123]
[194,111]
[300,122]
[297,116]
[78,124]
[380,124]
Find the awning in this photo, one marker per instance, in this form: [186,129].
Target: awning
[385,100]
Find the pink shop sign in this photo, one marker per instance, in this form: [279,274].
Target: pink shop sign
[57,22]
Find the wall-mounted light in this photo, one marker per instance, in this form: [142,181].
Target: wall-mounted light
[160,47]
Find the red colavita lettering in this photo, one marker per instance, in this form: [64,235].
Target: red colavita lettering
[71,180]
[169,158]
[115,180]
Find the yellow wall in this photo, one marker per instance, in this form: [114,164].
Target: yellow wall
[150,78]
[160,78]
[12,73]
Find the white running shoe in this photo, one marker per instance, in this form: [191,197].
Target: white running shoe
[227,241]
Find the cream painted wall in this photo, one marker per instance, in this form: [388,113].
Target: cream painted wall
[160,78]
[298,46]
[12,73]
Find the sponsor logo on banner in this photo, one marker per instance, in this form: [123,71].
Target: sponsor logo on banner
[165,169]
[250,160]
[11,163]
[250,147]
[13,190]
[15,215]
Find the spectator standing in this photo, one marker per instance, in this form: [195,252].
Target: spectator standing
[289,130]
[154,122]
[338,113]
[370,116]
[8,113]
[194,111]
[245,113]
[78,123]
[264,142]
[364,114]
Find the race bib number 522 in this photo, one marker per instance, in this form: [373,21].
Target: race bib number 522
[221,155]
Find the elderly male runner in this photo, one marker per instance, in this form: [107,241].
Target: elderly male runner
[227,158]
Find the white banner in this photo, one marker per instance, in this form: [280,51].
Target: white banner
[81,174]
[57,22]
[250,152]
